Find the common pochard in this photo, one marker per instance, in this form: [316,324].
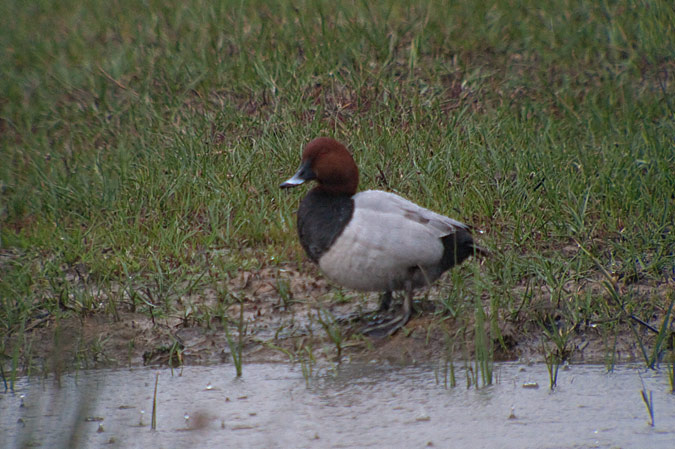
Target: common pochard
[372,240]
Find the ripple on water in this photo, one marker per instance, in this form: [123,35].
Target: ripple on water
[272,406]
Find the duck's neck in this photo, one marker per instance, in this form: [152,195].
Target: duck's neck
[340,188]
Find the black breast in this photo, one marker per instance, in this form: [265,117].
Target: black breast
[321,219]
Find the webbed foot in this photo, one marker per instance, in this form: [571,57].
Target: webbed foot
[384,328]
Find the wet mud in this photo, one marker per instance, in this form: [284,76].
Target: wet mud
[291,312]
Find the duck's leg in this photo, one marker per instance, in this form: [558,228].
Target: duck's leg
[385,301]
[389,327]
[377,314]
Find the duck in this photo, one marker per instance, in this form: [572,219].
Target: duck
[372,241]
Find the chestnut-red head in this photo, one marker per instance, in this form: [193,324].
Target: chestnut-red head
[329,162]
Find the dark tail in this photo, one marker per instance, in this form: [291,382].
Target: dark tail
[457,247]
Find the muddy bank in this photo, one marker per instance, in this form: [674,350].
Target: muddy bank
[291,313]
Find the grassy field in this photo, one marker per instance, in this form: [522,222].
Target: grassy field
[142,144]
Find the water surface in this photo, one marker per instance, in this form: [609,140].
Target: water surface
[352,406]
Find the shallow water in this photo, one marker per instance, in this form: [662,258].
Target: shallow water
[272,406]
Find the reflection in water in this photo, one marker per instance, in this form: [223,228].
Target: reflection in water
[351,406]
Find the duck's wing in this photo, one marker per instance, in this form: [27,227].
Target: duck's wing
[391,204]
[397,229]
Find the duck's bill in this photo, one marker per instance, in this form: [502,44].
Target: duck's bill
[303,174]
[292,182]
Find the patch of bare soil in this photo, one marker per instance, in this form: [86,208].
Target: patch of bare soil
[283,313]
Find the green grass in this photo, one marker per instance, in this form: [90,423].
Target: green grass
[142,143]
